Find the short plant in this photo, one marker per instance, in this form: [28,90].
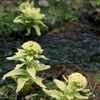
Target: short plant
[71,89]
[29,57]
[30,17]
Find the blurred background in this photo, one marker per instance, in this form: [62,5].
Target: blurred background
[59,15]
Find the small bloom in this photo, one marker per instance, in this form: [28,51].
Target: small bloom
[78,79]
[25,5]
[32,46]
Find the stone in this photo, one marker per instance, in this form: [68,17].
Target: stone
[43,3]
[52,20]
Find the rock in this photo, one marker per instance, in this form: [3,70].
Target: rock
[43,3]
[52,20]
[57,0]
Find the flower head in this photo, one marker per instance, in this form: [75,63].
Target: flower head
[30,17]
[32,46]
[78,79]
[25,5]
[30,12]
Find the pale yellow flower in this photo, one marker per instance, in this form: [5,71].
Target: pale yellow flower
[78,79]
[25,5]
[32,46]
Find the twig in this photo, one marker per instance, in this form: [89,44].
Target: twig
[98,11]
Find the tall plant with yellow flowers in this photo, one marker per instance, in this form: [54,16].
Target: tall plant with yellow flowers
[29,57]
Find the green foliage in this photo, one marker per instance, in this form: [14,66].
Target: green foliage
[97,3]
[7,27]
[7,92]
[3,31]
[58,14]
[60,11]
[70,14]
[96,76]
[30,96]
[30,17]
[28,56]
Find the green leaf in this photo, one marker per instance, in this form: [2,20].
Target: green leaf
[37,28]
[29,58]
[30,96]
[86,90]
[61,85]
[18,66]
[40,22]
[21,52]
[41,99]
[35,63]
[38,81]
[22,60]
[28,31]
[18,19]
[20,55]
[42,56]
[54,93]
[79,96]
[42,67]
[16,57]
[64,78]
[15,72]
[38,66]
[70,97]
[31,70]
[21,80]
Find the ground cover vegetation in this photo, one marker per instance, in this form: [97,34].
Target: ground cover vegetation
[58,14]
[32,85]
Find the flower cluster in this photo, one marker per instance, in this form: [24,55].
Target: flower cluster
[78,79]
[32,46]
[30,11]
[25,5]
[76,84]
